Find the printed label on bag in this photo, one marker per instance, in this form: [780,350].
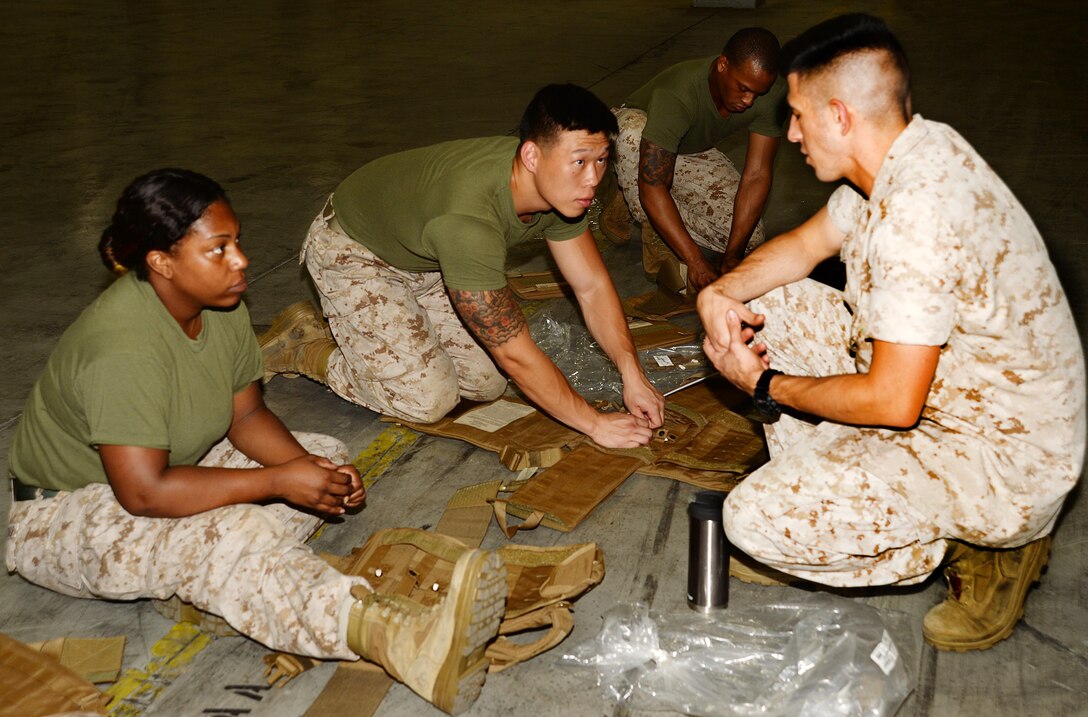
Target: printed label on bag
[498,415]
[884,654]
[663,361]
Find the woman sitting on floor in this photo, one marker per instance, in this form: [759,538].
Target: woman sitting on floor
[146,464]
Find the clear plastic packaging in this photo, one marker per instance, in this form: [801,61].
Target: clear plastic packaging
[671,367]
[578,356]
[816,656]
[592,374]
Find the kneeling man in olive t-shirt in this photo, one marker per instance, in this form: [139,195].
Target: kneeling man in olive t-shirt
[409,258]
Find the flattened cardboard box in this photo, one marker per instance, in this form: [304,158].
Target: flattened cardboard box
[538,285]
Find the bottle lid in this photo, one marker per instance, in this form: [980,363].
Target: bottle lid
[705,511]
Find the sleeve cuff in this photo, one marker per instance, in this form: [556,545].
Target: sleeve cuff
[845,207]
[911,317]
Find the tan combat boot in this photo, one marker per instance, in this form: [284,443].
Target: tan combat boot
[299,342]
[661,265]
[750,571]
[616,219]
[437,651]
[654,252]
[986,591]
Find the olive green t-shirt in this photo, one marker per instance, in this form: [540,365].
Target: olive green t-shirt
[681,116]
[126,374]
[448,208]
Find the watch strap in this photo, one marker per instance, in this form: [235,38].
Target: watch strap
[761,397]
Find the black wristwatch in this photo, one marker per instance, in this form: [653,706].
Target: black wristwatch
[762,396]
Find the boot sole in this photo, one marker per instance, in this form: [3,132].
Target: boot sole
[1006,628]
[283,321]
[480,603]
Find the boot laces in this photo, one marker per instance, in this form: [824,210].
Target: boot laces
[971,579]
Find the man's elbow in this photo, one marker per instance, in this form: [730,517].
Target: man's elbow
[901,413]
[759,179]
[508,358]
[650,193]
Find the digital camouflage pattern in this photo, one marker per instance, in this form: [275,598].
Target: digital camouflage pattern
[941,254]
[704,186]
[247,563]
[402,348]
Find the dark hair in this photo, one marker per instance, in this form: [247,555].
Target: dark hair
[756,45]
[154,212]
[565,108]
[823,44]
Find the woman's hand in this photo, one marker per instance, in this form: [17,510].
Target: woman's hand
[358,490]
[318,484]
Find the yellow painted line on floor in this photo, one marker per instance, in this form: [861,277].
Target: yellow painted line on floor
[383,451]
[139,688]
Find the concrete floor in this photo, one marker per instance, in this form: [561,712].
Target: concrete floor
[279,101]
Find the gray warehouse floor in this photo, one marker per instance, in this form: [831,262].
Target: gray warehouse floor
[280,100]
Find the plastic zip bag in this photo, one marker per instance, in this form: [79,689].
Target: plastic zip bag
[592,374]
[816,656]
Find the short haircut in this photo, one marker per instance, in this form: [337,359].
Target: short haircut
[155,211]
[834,40]
[565,108]
[756,45]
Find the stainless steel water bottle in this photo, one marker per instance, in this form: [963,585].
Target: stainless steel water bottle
[708,553]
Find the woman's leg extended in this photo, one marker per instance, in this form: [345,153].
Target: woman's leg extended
[247,563]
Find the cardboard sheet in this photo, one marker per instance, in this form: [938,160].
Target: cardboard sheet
[537,285]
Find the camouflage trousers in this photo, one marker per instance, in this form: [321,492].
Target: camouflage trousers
[402,349]
[704,186]
[247,563]
[851,506]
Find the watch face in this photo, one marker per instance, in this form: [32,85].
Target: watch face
[767,406]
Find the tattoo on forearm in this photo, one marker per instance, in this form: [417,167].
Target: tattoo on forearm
[655,165]
[493,316]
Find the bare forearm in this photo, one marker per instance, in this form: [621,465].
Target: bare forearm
[751,198]
[581,265]
[145,484]
[785,259]
[544,384]
[663,214]
[773,264]
[748,207]
[607,324]
[495,318]
[656,167]
[848,398]
[181,491]
[893,393]
[262,437]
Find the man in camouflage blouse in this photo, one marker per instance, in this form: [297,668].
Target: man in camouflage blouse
[932,412]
